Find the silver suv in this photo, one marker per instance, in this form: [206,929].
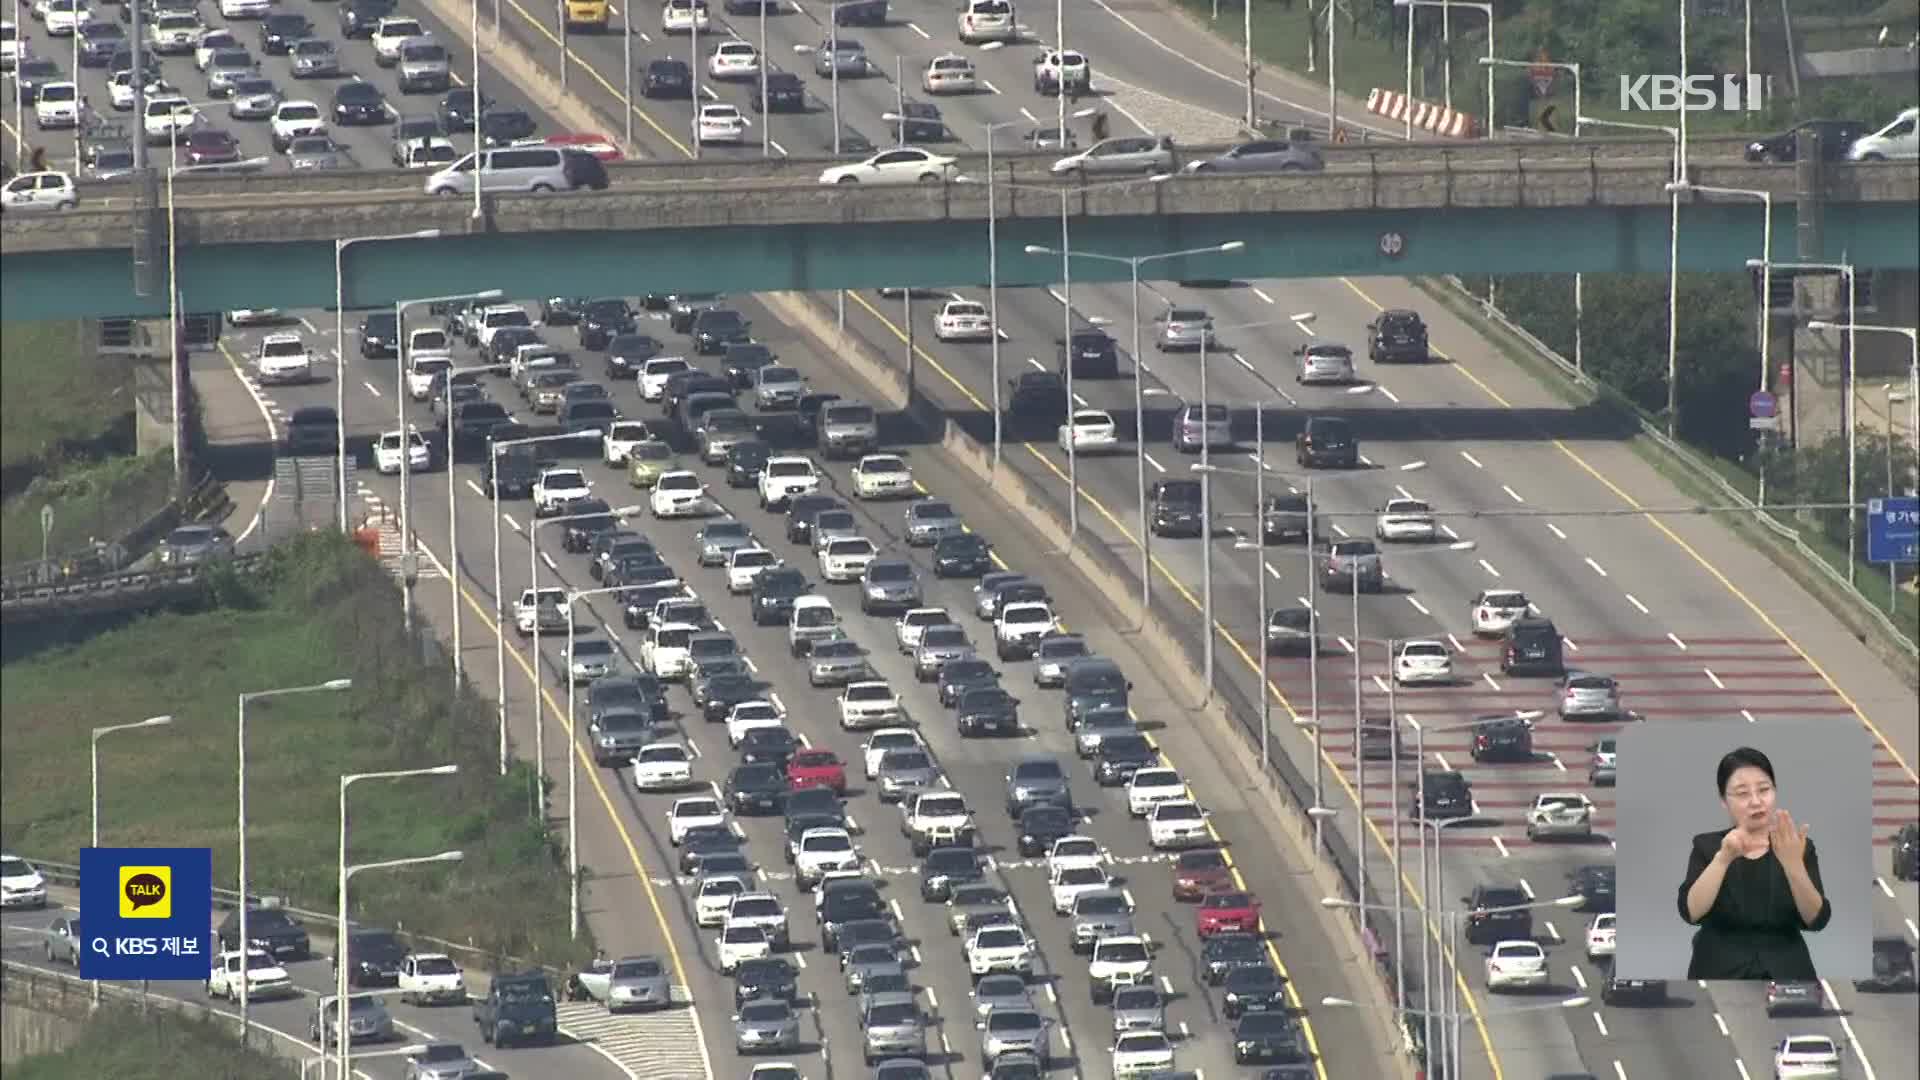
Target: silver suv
[1353,564]
[1013,1030]
[423,65]
[1037,780]
[1099,914]
[893,1029]
[848,428]
[1214,427]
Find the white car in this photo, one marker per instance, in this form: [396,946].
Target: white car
[823,851]
[665,651]
[738,944]
[265,979]
[733,60]
[292,120]
[1150,787]
[120,89]
[386,453]
[1495,610]
[526,611]
[34,192]
[1075,851]
[721,124]
[784,477]
[908,627]
[762,910]
[963,320]
[422,369]
[392,32]
[901,165]
[1141,1053]
[655,373]
[431,978]
[1176,823]
[715,896]
[662,766]
[244,9]
[619,440]
[1560,815]
[684,16]
[994,949]
[845,560]
[283,358]
[1516,965]
[174,33]
[884,742]
[1806,1057]
[1067,883]
[745,564]
[868,704]
[693,812]
[59,105]
[1322,365]
[556,489]
[1404,519]
[680,493]
[1601,936]
[988,20]
[63,17]
[1089,431]
[209,41]
[1423,663]
[950,74]
[882,476]
[21,884]
[748,715]
[167,118]
[1056,69]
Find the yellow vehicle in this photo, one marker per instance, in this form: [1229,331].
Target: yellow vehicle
[646,461]
[587,14]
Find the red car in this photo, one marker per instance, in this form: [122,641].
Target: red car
[1227,912]
[817,768]
[1197,873]
[211,146]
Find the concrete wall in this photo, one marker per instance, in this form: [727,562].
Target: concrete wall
[26,1030]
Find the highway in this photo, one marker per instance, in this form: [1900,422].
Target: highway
[287,1019]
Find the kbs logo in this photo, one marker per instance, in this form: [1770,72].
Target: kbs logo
[146,892]
[1695,93]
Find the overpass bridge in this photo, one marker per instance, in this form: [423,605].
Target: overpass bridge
[1593,206]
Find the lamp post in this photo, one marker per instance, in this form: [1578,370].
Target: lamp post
[1446,8]
[93,773]
[347,874]
[1579,279]
[409,573]
[573,763]
[539,713]
[343,957]
[479,144]
[1133,263]
[1894,397]
[340,246]
[1684,187]
[766,103]
[246,900]
[1851,326]
[499,595]
[1678,134]
[453,518]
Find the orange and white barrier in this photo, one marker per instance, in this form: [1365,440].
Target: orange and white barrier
[1426,116]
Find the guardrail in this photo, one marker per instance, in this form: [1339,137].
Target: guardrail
[109,590]
[1700,468]
[110,558]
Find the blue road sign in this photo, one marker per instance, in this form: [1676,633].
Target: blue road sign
[1893,530]
[1762,405]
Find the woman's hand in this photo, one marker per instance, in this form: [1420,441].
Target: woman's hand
[1789,840]
[1731,846]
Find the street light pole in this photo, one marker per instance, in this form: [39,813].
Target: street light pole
[573,765]
[340,246]
[93,771]
[246,899]
[343,958]
[453,521]
[1847,419]
[1766,260]
[993,288]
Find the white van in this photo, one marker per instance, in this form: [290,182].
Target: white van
[1898,141]
[988,20]
[520,168]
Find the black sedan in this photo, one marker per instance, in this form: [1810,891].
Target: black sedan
[603,320]
[457,109]
[785,93]
[667,79]
[768,977]
[1040,826]
[966,555]
[359,103]
[1268,1037]
[279,31]
[755,789]
[503,127]
[988,710]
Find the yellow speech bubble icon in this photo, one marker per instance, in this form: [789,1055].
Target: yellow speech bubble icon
[146,892]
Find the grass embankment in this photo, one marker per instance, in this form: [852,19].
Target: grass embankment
[128,1044]
[322,610]
[66,440]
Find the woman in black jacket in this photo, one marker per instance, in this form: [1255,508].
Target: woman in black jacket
[1754,888]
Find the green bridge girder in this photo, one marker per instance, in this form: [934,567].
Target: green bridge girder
[1715,237]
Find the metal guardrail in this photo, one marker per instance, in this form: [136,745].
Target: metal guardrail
[127,584]
[1700,468]
[110,558]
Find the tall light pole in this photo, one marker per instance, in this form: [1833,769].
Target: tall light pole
[479,144]
[693,69]
[246,899]
[1579,279]
[340,246]
[573,761]
[453,518]
[409,555]
[1679,137]
[1133,263]
[1684,187]
[93,773]
[343,958]
[1851,326]
[1913,363]
[499,595]
[1446,9]
[766,104]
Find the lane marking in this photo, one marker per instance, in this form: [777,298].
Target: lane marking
[1555,530]
[1675,638]
[1714,678]
[1418,606]
[1512,494]
[1471,460]
[1488,567]
[1721,1023]
[916,29]
[1388,394]
[1264,298]
[1600,1023]
[1597,568]
[1635,601]
[371,389]
[1501,845]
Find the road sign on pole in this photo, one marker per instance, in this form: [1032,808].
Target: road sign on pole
[1541,74]
[1763,405]
[1893,530]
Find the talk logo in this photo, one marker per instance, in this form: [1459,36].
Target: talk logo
[146,892]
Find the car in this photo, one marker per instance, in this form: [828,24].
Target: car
[889,584]
[1057,71]
[1145,155]
[999,949]
[1560,815]
[1177,823]
[816,767]
[387,457]
[1618,991]
[784,478]
[745,564]
[1075,850]
[1533,646]
[1516,965]
[1423,663]
[771,977]
[192,544]
[778,387]
[428,978]
[1899,140]
[684,16]
[713,897]
[733,61]
[902,773]
[1263,156]
[39,191]
[1601,937]
[314,58]
[317,152]
[764,1025]
[1151,786]
[441,1061]
[693,812]
[950,73]
[962,555]
[1497,913]
[845,560]
[663,766]
[1353,566]
[1140,1054]
[882,476]
[1587,694]
[557,489]
[59,105]
[1089,431]
[667,78]
[1404,520]
[1323,364]
[1502,737]
[749,715]
[1603,768]
[1181,328]
[1493,611]
[883,742]
[717,540]
[720,124]
[1397,336]
[1272,1038]
[678,494]
[1807,1057]
[1893,967]
[367,1021]
[1229,911]
[963,320]
[269,928]
[1253,989]
[1326,441]
[1067,883]
[780,91]
[1223,954]
[632,982]
[1802,997]
[899,165]
[264,978]
[867,705]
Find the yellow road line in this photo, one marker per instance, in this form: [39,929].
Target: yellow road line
[1701,560]
[1419,900]
[599,78]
